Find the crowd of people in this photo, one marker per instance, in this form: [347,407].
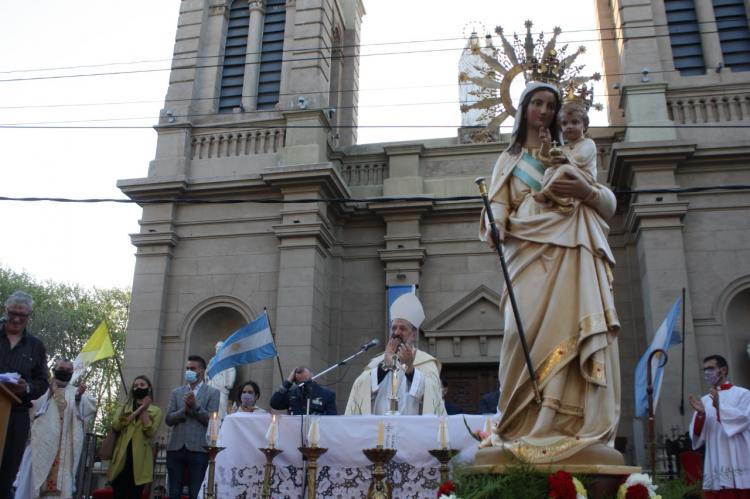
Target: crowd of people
[551,217]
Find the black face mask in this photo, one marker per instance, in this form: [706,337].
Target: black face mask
[62,375]
[139,393]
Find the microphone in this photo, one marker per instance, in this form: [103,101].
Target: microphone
[373,342]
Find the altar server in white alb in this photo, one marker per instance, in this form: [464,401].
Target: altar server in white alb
[722,423]
[51,459]
[418,377]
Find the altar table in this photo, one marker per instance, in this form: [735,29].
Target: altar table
[343,471]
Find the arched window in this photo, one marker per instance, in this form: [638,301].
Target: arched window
[233,68]
[272,51]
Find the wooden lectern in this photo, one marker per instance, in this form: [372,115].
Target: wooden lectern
[7,400]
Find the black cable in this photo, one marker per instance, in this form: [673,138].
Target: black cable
[385,199]
[535,34]
[342,56]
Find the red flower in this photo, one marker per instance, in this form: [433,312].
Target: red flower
[561,485]
[446,488]
[637,491]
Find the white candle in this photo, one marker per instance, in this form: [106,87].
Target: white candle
[312,434]
[394,384]
[381,434]
[271,433]
[214,428]
[443,434]
[488,425]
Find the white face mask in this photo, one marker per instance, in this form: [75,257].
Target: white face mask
[248,399]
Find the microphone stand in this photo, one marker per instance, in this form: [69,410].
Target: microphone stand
[305,388]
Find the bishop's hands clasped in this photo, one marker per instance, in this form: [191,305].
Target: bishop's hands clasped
[403,352]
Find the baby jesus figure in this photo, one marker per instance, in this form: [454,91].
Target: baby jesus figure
[577,158]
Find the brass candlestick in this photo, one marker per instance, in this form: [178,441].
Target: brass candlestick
[379,456]
[312,454]
[270,453]
[444,456]
[209,491]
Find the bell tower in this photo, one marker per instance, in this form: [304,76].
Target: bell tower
[260,94]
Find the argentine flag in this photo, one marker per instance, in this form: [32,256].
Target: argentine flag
[248,344]
[665,337]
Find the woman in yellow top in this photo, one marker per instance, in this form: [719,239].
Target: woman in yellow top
[137,421]
[559,266]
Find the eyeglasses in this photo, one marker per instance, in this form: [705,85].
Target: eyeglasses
[17,315]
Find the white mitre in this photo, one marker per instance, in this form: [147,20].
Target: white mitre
[409,308]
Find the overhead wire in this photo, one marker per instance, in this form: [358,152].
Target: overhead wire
[375,44]
[308,59]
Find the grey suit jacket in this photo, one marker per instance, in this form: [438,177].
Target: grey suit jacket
[189,426]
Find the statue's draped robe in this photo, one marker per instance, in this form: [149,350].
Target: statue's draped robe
[559,270]
[55,444]
[423,396]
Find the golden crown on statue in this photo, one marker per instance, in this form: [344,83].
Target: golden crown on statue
[537,60]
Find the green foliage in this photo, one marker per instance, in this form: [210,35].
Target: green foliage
[516,482]
[64,317]
[678,489]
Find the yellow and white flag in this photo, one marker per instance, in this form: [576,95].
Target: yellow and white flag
[98,347]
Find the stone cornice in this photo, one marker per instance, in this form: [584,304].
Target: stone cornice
[167,240]
[432,328]
[324,175]
[141,189]
[392,209]
[406,149]
[416,255]
[301,235]
[659,215]
[628,157]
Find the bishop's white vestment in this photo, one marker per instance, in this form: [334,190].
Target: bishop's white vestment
[726,436]
[50,433]
[423,395]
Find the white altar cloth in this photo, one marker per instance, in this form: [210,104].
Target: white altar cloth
[343,471]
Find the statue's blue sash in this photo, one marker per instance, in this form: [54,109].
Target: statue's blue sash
[530,171]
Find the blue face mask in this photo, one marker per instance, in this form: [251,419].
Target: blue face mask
[191,376]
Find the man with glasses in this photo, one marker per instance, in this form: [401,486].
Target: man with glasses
[722,423]
[22,353]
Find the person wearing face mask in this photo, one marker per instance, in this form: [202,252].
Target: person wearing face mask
[190,409]
[247,397]
[299,388]
[721,423]
[51,458]
[137,422]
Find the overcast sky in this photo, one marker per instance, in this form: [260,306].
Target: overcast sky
[408,77]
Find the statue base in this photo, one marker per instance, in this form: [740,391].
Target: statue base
[596,459]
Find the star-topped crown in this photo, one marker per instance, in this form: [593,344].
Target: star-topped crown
[581,94]
[537,60]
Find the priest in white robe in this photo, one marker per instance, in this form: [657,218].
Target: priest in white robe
[417,377]
[51,459]
[722,423]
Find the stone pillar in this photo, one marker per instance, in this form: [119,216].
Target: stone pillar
[303,323]
[306,139]
[655,221]
[712,55]
[148,309]
[252,55]
[645,106]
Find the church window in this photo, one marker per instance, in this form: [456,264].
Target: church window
[233,69]
[272,51]
[734,36]
[685,37]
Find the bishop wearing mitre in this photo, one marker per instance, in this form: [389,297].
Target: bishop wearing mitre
[417,373]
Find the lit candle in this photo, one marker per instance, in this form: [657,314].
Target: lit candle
[312,434]
[214,428]
[488,425]
[443,434]
[381,434]
[271,433]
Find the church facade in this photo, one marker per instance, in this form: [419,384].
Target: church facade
[258,129]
